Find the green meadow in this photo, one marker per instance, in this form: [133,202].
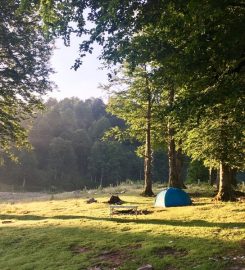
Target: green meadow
[62,231]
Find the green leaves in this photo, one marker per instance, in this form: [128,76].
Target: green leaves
[194,47]
[131,104]
[24,71]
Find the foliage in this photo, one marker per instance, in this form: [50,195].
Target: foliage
[68,152]
[138,105]
[210,104]
[130,92]
[24,71]
[109,163]
[198,46]
[197,172]
[215,140]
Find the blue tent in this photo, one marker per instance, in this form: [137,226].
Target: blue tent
[172,197]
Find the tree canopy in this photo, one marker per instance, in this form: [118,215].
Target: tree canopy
[68,151]
[199,50]
[24,70]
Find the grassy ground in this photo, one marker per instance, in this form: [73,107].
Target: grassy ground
[67,233]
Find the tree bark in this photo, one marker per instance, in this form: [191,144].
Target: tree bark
[225,192]
[233,177]
[180,167]
[148,157]
[173,178]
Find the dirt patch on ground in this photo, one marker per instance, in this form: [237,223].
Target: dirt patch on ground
[113,257]
[161,210]
[76,249]
[110,260]
[134,246]
[235,259]
[91,200]
[165,251]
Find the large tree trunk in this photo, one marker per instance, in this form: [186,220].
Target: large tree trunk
[225,192]
[148,157]
[180,167]
[212,176]
[233,177]
[173,178]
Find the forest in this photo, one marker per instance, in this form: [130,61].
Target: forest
[150,179]
[176,81]
[68,151]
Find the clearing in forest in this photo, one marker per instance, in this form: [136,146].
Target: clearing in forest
[64,232]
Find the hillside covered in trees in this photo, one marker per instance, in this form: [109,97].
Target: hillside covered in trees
[68,152]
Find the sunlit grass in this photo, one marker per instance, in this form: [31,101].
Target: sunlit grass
[68,233]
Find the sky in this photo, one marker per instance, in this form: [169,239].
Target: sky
[82,83]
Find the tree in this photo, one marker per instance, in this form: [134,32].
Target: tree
[201,42]
[62,164]
[99,127]
[108,163]
[211,72]
[83,112]
[82,144]
[175,158]
[219,141]
[70,154]
[24,71]
[136,105]
[196,171]
[132,34]
[24,173]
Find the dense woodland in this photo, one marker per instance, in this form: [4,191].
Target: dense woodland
[175,115]
[176,82]
[68,152]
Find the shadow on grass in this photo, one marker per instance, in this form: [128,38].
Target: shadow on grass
[174,223]
[26,245]
[34,217]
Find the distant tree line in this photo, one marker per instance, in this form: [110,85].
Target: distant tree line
[68,151]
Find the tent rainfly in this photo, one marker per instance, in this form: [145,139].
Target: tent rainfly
[170,197]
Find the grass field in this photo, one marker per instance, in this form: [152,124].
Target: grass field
[64,232]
